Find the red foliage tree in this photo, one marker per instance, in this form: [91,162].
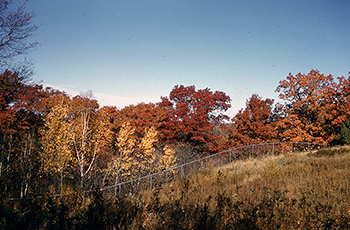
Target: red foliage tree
[254,123]
[192,114]
[142,116]
[10,84]
[20,119]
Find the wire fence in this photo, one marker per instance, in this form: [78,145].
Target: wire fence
[132,187]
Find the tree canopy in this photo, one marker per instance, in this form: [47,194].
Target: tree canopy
[53,143]
[192,114]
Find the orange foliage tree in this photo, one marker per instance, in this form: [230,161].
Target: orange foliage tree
[341,110]
[192,114]
[254,123]
[343,93]
[338,108]
[308,98]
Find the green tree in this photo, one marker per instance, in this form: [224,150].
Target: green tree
[344,135]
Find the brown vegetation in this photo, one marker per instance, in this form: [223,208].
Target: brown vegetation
[305,190]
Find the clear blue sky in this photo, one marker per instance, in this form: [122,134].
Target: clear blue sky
[128,51]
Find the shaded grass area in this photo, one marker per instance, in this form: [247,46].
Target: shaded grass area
[307,190]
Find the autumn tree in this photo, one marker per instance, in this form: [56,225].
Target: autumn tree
[19,101]
[338,109]
[123,161]
[192,114]
[306,97]
[137,145]
[56,138]
[10,84]
[89,133]
[141,117]
[342,96]
[20,119]
[75,135]
[146,155]
[139,127]
[254,123]
[135,157]
[168,159]
[16,26]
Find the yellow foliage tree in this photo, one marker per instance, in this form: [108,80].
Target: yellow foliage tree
[168,159]
[146,156]
[90,133]
[123,162]
[75,134]
[137,156]
[56,141]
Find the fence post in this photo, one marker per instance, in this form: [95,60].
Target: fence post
[273,148]
[291,147]
[206,162]
[230,155]
[151,182]
[182,170]
[252,150]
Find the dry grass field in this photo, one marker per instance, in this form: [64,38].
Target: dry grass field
[305,190]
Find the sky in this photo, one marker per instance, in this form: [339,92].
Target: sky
[132,51]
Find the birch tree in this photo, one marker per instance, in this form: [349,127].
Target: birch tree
[89,133]
[76,133]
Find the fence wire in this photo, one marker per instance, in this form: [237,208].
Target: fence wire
[132,187]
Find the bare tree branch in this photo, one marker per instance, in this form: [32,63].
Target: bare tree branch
[15,28]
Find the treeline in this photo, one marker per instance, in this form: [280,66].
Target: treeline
[51,143]
[314,108]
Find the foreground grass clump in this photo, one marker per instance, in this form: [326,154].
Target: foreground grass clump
[308,190]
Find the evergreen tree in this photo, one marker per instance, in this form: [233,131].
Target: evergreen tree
[345,133]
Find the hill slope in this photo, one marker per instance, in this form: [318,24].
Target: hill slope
[298,190]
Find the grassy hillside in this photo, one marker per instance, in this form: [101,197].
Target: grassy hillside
[306,190]
[300,190]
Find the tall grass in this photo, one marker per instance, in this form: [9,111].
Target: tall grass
[306,190]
